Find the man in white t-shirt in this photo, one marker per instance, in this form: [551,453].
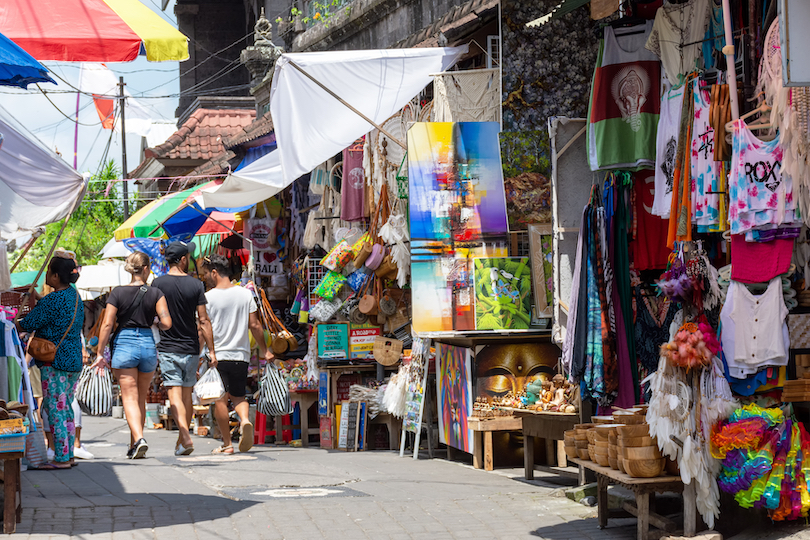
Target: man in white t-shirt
[232,311]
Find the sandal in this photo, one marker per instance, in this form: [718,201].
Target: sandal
[223,450]
[181,450]
[50,467]
[246,437]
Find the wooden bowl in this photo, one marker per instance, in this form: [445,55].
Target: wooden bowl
[636,441]
[581,444]
[582,453]
[613,451]
[630,419]
[614,463]
[583,427]
[571,451]
[570,433]
[591,435]
[600,434]
[620,462]
[642,452]
[592,453]
[581,437]
[602,460]
[602,419]
[644,468]
[601,444]
[613,438]
[639,430]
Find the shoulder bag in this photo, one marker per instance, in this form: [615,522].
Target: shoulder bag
[44,350]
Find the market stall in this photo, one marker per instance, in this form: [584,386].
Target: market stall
[680,238]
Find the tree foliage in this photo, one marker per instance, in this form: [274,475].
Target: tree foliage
[90,226]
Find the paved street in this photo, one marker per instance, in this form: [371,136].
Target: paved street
[291,493]
[288,493]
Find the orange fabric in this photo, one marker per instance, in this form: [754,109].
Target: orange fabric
[106,111]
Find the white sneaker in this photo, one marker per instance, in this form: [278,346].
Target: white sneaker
[82,453]
[51,455]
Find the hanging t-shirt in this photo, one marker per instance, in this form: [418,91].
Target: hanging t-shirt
[758,192]
[649,246]
[625,100]
[705,188]
[669,124]
[676,24]
[352,188]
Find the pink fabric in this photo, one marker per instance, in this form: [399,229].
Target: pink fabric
[759,262]
[351,190]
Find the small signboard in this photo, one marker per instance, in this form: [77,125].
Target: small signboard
[361,339]
[326,431]
[352,427]
[323,393]
[333,340]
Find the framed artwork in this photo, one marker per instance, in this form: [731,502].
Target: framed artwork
[542,275]
[454,391]
[503,299]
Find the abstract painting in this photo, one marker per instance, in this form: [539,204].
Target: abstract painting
[454,389]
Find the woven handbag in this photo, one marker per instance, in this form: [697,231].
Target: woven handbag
[799,329]
[94,391]
[274,394]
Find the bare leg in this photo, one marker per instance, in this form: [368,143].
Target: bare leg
[144,381]
[78,442]
[129,379]
[242,409]
[179,412]
[221,414]
[188,391]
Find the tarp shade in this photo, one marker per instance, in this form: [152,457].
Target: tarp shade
[311,126]
[36,186]
[90,30]
[18,68]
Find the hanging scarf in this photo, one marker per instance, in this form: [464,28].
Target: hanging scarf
[680,216]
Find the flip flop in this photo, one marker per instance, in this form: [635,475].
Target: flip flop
[223,450]
[48,467]
[246,437]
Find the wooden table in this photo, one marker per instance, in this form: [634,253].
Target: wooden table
[482,437]
[544,425]
[644,507]
[12,491]
[305,399]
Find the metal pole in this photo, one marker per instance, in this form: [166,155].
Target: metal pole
[728,50]
[76,134]
[355,111]
[123,148]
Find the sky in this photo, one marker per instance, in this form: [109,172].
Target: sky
[147,81]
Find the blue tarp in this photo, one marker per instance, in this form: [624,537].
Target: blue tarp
[18,68]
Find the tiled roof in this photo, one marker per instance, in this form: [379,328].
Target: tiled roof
[219,164]
[201,136]
[258,128]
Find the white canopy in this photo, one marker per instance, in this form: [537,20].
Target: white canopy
[113,249]
[97,279]
[36,186]
[311,126]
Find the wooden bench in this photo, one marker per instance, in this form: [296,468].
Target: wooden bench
[644,508]
[12,491]
[482,437]
[549,426]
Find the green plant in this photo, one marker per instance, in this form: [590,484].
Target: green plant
[503,293]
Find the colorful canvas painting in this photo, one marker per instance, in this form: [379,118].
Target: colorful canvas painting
[503,293]
[454,389]
[455,181]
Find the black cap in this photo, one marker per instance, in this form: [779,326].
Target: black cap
[176,250]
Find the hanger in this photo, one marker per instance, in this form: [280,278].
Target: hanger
[762,109]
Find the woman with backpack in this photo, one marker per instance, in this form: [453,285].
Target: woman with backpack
[132,309]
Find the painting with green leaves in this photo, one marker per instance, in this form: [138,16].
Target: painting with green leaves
[503,293]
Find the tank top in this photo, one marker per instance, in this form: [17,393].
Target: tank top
[705,199]
[666,143]
[625,100]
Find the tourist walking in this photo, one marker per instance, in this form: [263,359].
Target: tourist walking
[133,308]
[58,317]
[179,347]
[233,311]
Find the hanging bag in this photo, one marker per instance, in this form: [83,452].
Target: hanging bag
[368,302]
[94,391]
[209,389]
[274,394]
[261,231]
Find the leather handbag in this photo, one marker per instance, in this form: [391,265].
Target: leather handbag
[44,350]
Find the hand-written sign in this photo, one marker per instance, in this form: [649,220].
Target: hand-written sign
[333,340]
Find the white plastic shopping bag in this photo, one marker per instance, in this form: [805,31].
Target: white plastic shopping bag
[209,388]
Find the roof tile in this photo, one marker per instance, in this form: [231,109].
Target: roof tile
[201,136]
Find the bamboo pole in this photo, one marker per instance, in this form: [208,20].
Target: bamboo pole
[28,246]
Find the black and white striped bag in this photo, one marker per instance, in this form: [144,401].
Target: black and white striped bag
[274,394]
[94,392]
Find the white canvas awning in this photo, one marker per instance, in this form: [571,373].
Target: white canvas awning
[36,186]
[311,125]
[97,279]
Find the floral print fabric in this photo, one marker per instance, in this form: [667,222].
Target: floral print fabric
[705,179]
[58,390]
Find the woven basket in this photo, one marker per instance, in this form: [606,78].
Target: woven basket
[13,442]
[799,328]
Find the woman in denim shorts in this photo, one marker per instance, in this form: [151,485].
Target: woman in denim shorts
[134,309]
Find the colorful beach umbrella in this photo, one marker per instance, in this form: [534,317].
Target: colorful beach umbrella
[142,223]
[91,31]
[18,68]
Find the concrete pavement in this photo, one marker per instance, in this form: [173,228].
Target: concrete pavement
[290,493]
